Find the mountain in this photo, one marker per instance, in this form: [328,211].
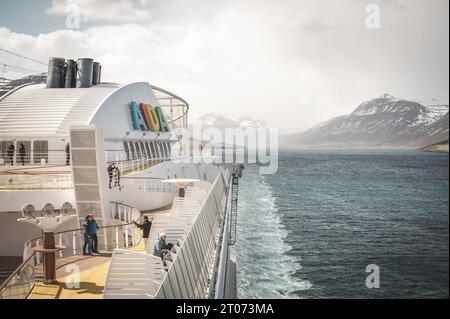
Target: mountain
[441,147]
[7,85]
[386,121]
[221,123]
[214,120]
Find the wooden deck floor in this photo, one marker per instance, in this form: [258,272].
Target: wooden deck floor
[92,271]
[89,285]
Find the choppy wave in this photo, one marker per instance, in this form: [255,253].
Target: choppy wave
[264,269]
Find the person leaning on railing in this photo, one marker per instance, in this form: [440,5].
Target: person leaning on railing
[145,226]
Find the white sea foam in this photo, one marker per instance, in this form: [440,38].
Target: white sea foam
[264,268]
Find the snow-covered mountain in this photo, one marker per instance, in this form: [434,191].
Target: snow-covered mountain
[221,122]
[386,121]
[251,123]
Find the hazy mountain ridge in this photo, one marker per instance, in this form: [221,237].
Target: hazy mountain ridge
[382,122]
[220,122]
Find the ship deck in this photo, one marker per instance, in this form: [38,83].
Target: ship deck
[92,269]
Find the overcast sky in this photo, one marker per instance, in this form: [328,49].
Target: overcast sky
[292,63]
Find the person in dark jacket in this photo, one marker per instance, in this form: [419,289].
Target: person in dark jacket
[11,149]
[117,180]
[145,226]
[22,153]
[87,236]
[111,169]
[93,230]
[67,154]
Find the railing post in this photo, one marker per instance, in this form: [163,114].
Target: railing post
[74,242]
[117,237]
[60,244]
[126,236]
[38,255]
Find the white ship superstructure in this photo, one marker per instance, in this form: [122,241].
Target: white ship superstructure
[118,152]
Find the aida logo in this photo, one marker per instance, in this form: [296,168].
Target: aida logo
[147,118]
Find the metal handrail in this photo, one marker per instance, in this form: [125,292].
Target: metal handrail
[4,285]
[14,90]
[219,270]
[27,259]
[176,97]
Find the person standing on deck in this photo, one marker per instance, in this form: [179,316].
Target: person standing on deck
[22,153]
[117,177]
[145,226]
[87,237]
[67,154]
[111,169]
[11,149]
[93,226]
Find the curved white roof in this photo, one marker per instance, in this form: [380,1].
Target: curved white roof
[36,110]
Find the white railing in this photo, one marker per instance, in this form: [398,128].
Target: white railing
[50,157]
[147,184]
[22,280]
[135,162]
[194,255]
[219,277]
[35,182]
[124,212]
[186,270]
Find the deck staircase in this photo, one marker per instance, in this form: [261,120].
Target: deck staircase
[136,275]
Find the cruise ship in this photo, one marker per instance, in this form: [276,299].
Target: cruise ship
[76,145]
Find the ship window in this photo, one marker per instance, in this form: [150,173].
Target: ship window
[138,150]
[133,154]
[141,144]
[40,151]
[147,148]
[26,155]
[152,148]
[4,150]
[166,151]
[158,149]
[127,149]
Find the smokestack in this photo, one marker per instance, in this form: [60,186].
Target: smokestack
[85,68]
[55,75]
[71,74]
[97,73]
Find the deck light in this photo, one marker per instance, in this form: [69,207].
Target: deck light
[48,210]
[28,211]
[66,208]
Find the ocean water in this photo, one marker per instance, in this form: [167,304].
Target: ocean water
[311,230]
